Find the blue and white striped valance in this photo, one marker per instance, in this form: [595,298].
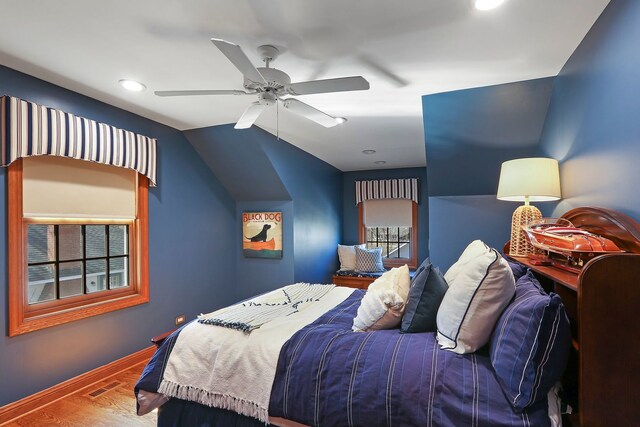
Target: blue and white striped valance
[405,188]
[29,129]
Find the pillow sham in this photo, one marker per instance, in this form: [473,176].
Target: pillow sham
[428,287]
[530,345]
[481,285]
[517,269]
[369,260]
[347,256]
[383,304]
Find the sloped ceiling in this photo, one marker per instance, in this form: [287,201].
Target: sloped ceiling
[241,164]
[469,133]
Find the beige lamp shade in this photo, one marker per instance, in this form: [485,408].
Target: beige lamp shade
[536,179]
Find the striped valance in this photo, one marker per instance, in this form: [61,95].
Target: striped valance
[406,188]
[29,129]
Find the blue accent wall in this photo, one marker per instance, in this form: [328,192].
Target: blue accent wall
[468,134]
[191,255]
[262,172]
[463,219]
[593,125]
[350,210]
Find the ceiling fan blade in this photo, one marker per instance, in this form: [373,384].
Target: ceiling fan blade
[250,115]
[234,53]
[383,71]
[313,114]
[200,92]
[330,85]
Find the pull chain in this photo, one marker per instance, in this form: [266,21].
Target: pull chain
[277,120]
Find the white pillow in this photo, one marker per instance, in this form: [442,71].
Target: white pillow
[347,255]
[383,305]
[481,285]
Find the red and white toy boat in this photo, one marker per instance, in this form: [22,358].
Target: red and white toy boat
[559,236]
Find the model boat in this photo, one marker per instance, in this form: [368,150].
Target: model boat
[558,235]
[258,246]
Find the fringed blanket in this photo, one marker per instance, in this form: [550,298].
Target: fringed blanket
[249,315]
[229,369]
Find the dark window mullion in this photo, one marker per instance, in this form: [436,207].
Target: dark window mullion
[56,239]
[108,272]
[84,259]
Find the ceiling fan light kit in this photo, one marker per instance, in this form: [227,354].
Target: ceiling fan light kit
[271,85]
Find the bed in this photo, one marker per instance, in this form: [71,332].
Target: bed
[325,374]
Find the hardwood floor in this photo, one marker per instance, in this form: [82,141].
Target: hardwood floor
[114,405]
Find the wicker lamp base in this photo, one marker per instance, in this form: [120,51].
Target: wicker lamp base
[520,245]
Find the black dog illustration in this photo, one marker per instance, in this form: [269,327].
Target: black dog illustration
[261,236]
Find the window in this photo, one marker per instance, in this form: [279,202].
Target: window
[66,260]
[77,241]
[393,225]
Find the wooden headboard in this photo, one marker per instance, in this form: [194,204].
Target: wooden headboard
[618,227]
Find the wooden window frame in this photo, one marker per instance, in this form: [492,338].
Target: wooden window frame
[24,317]
[412,262]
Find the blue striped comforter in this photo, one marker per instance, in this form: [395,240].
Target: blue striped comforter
[330,376]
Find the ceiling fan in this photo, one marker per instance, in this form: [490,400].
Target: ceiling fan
[272,85]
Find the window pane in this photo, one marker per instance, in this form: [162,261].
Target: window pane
[118,272]
[41,283]
[71,279]
[118,242]
[41,245]
[96,275]
[70,241]
[96,241]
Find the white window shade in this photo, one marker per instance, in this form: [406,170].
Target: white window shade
[57,187]
[387,213]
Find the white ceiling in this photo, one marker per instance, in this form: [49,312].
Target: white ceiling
[435,45]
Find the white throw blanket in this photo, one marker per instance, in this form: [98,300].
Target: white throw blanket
[249,315]
[228,369]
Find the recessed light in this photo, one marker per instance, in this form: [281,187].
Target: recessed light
[132,85]
[341,120]
[368,151]
[488,4]
[380,162]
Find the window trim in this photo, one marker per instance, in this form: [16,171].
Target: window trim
[24,317]
[412,262]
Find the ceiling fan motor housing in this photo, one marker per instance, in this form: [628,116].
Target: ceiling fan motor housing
[276,80]
[267,98]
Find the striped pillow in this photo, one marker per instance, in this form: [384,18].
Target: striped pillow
[530,344]
[369,260]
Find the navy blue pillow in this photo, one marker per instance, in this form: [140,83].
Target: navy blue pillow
[425,295]
[530,344]
[517,269]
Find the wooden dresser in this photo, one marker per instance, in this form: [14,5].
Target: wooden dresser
[603,304]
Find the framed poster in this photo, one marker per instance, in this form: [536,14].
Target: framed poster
[262,234]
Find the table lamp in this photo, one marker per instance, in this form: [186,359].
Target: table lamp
[527,180]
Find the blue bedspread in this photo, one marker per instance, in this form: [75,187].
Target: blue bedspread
[330,376]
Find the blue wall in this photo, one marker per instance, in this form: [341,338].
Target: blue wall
[460,220]
[593,125]
[350,210]
[191,255]
[468,134]
[262,172]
